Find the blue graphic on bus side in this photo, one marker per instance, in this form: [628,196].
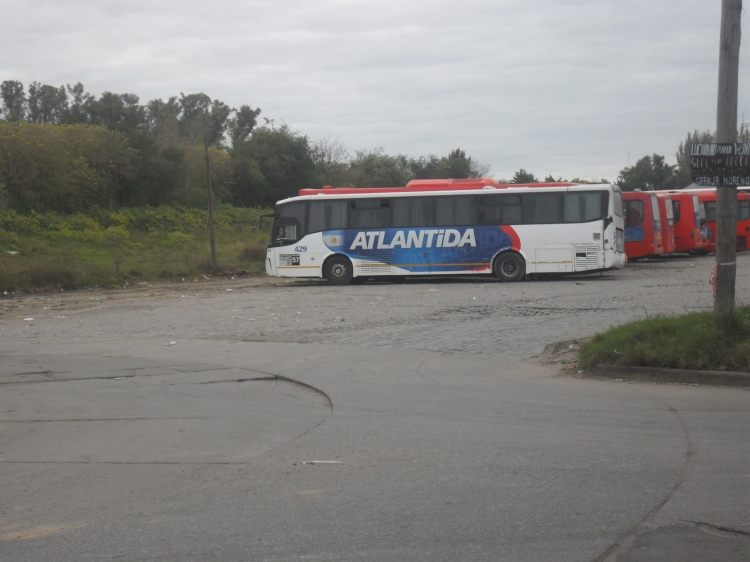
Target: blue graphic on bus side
[422,249]
[634,234]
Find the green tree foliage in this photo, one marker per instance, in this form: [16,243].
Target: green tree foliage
[65,150]
[522,176]
[66,168]
[14,100]
[161,142]
[241,125]
[331,160]
[648,174]
[272,164]
[46,104]
[456,165]
[374,168]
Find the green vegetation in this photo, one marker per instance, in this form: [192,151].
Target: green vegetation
[689,341]
[107,191]
[112,248]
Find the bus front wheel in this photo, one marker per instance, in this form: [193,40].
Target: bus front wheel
[510,267]
[338,270]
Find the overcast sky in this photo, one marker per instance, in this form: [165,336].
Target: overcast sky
[562,87]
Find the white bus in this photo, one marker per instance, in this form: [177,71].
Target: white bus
[349,235]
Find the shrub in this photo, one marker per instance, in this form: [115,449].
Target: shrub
[253,253]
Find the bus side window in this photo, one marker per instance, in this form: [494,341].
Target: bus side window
[676,211]
[634,213]
[286,234]
[743,210]
[499,209]
[710,207]
[410,212]
[542,208]
[584,206]
[327,215]
[655,212]
[370,213]
[456,210]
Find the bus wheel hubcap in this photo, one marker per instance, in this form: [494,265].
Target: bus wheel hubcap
[509,268]
[338,270]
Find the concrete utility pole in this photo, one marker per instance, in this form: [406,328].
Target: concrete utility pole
[726,196]
[211,196]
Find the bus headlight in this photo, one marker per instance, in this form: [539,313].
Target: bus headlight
[619,241]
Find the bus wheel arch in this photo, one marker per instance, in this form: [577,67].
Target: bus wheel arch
[509,266]
[338,270]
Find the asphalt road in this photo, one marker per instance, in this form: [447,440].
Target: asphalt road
[300,422]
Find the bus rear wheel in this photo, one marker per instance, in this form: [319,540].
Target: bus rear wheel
[510,267]
[338,270]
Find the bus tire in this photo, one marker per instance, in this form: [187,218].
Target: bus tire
[509,267]
[338,270]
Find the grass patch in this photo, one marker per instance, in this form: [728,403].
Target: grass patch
[688,341]
[73,252]
[253,253]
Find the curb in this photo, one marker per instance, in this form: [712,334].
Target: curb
[656,374]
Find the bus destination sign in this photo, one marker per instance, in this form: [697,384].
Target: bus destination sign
[720,164]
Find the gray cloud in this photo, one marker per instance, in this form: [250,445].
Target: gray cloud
[564,87]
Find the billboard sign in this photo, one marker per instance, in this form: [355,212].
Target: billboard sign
[720,164]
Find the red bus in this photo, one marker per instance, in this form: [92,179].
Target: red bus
[708,198]
[687,222]
[642,224]
[666,210]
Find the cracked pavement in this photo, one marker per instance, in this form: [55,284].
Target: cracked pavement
[389,421]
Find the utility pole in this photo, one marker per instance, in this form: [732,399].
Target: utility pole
[210,192]
[726,196]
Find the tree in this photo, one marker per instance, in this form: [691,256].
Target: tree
[456,165]
[62,168]
[241,125]
[46,104]
[331,160]
[163,119]
[120,112]
[648,174]
[522,176]
[374,168]
[79,110]
[14,100]
[273,164]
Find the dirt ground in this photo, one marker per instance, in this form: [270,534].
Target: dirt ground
[470,314]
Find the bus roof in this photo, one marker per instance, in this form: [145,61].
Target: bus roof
[345,193]
[429,185]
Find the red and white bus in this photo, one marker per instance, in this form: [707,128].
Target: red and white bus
[447,227]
